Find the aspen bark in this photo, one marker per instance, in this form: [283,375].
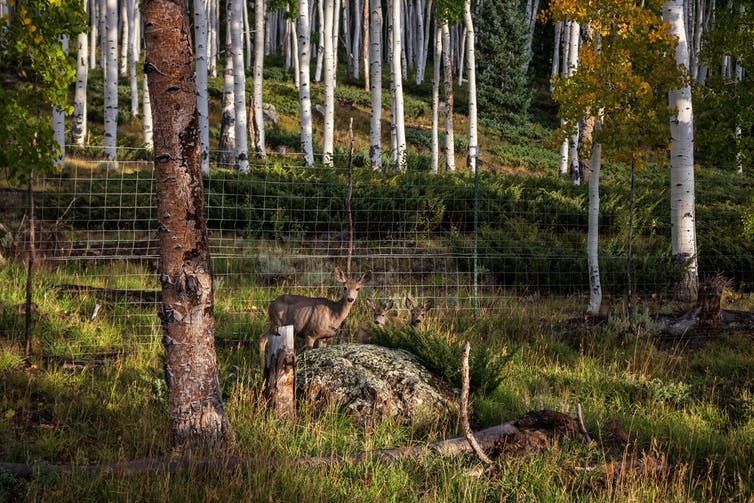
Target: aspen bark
[259,143]
[197,415]
[78,119]
[682,200]
[304,88]
[375,79]
[239,87]
[111,80]
[202,98]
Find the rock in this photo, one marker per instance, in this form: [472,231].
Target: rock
[372,382]
[270,115]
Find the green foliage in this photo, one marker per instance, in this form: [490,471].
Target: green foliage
[38,74]
[444,357]
[503,91]
[624,74]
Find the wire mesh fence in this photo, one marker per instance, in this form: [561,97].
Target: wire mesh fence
[457,243]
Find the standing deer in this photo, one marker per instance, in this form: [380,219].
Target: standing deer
[315,319]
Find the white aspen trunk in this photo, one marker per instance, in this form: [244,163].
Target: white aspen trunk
[375,79]
[247,34]
[471,59]
[111,81]
[400,125]
[329,121]
[103,36]
[347,42]
[210,9]
[239,86]
[227,143]
[94,14]
[436,99]
[356,45]
[592,247]
[202,98]
[304,88]
[78,119]
[421,44]
[321,43]
[461,57]
[146,124]
[555,70]
[132,54]
[573,64]
[682,198]
[390,57]
[296,59]
[335,37]
[287,45]
[365,44]
[450,161]
[737,130]
[402,34]
[125,35]
[58,121]
[532,6]
[259,16]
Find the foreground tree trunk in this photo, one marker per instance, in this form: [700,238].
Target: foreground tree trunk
[197,415]
[682,205]
[78,120]
[397,88]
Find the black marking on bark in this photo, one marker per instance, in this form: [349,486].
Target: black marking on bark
[174,89]
[162,158]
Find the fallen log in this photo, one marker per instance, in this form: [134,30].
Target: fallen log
[487,438]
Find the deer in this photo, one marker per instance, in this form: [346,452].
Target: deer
[379,319]
[416,313]
[315,319]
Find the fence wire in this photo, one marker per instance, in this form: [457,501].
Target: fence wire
[284,228]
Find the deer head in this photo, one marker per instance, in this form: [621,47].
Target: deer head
[379,312]
[416,313]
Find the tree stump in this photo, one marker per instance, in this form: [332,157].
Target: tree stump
[279,373]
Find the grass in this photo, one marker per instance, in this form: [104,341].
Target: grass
[690,406]
[693,407]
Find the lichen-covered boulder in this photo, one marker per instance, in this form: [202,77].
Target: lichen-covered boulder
[373,382]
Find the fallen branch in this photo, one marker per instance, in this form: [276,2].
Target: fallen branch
[465,408]
[444,448]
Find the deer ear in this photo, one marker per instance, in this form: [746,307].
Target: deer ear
[409,304]
[365,277]
[339,276]
[389,305]
[369,304]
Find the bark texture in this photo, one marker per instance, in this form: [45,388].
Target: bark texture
[197,415]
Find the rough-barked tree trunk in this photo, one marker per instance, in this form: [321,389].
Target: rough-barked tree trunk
[304,85]
[375,82]
[682,200]
[197,415]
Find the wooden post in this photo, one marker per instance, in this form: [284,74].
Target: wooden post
[279,372]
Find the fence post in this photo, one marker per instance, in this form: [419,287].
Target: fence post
[279,373]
